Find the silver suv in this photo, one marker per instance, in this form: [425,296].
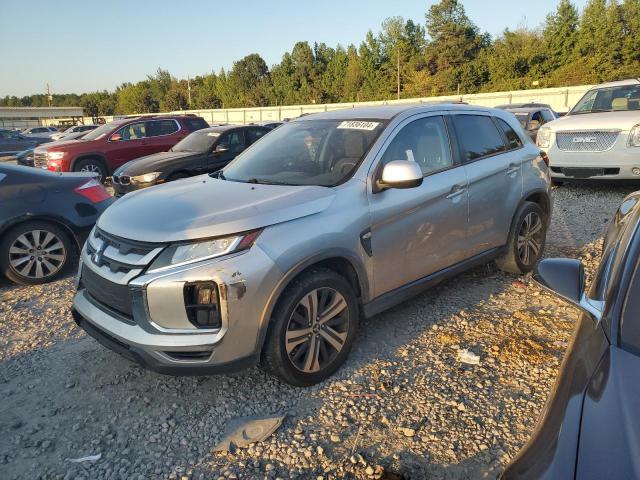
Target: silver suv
[328,218]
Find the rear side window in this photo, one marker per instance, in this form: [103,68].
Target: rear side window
[254,134]
[513,140]
[195,123]
[157,128]
[478,136]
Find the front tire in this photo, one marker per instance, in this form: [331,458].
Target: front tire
[35,252]
[526,240]
[92,165]
[312,329]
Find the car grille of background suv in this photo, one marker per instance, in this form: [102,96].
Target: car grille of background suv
[39,160]
[111,264]
[586,141]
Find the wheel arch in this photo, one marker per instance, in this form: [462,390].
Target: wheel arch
[86,156]
[340,261]
[54,220]
[540,197]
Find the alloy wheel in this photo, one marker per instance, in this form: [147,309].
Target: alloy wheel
[530,238]
[37,254]
[317,330]
[92,168]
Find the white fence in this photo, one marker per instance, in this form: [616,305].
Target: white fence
[561,99]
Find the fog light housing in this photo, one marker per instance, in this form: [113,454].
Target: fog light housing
[202,304]
[635,170]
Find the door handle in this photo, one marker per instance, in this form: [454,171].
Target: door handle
[512,168]
[456,191]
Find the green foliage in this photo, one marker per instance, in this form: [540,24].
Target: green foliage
[447,55]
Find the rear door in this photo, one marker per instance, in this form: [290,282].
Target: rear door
[163,134]
[494,173]
[418,231]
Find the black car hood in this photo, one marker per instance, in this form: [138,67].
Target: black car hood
[158,162]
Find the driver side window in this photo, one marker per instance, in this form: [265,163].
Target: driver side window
[424,141]
[234,140]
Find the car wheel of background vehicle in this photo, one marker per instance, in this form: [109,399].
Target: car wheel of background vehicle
[526,240]
[92,165]
[312,329]
[35,252]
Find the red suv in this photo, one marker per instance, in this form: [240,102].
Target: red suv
[104,149]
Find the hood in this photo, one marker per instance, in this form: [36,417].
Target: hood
[202,206]
[154,163]
[624,121]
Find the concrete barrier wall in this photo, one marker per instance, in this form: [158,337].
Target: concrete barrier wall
[560,99]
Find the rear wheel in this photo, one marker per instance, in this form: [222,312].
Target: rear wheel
[526,240]
[92,165]
[313,328]
[35,252]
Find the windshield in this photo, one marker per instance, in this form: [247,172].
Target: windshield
[610,99]
[522,118]
[100,131]
[199,142]
[309,152]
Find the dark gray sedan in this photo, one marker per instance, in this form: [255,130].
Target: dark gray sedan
[12,142]
[590,428]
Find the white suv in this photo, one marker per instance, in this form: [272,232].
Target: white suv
[599,137]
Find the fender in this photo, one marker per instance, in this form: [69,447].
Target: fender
[339,253]
[73,232]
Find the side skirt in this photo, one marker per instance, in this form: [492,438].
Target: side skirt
[400,294]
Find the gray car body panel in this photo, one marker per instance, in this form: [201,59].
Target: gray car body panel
[416,234]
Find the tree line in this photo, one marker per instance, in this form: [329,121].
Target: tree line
[447,54]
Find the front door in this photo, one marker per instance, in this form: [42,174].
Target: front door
[494,172]
[418,231]
[128,143]
[234,143]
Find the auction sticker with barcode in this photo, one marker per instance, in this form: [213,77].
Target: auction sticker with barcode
[358,125]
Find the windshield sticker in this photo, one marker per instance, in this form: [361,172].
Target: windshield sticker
[358,125]
[213,134]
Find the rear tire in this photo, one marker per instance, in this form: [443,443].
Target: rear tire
[312,328]
[33,253]
[527,239]
[92,165]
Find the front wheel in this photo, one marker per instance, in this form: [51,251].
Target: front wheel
[312,330]
[526,240]
[92,165]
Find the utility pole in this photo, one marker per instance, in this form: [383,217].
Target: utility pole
[398,71]
[49,97]
[189,89]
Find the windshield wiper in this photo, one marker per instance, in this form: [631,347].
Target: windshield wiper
[262,181]
[594,110]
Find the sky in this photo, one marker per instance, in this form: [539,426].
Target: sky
[84,46]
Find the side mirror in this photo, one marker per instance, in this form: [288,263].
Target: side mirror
[116,137]
[400,174]
[564,277]
[223,147]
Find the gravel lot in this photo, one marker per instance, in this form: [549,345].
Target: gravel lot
[402,407]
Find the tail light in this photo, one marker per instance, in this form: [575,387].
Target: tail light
[93,191]
[545,158]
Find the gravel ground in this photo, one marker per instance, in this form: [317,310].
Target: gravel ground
[402,407]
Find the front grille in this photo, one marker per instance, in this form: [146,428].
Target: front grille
[586,141]
[40,160]
[113,295]
[121,179]
[120,255]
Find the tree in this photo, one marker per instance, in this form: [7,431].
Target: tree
[560,35]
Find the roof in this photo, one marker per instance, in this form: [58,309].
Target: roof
[217,128]
[523,109]
[40,112]
[386,112]
[621,83]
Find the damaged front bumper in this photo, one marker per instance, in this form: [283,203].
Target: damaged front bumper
[154,329]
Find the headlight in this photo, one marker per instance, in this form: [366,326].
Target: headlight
[55,155]
[543,139]
[182,254]
[634,136]
[146,178]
